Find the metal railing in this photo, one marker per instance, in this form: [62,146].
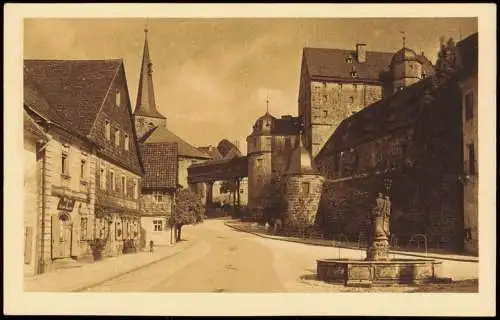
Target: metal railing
[420,240]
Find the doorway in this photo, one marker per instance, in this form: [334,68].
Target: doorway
[65,236]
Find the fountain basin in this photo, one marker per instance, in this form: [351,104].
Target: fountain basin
[384,272]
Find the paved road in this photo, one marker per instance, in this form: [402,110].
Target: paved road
[221,259]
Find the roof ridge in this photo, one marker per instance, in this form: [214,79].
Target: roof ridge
[351,50]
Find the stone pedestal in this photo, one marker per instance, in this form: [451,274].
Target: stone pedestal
[378,250]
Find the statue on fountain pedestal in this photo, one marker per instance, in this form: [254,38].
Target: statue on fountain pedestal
[378,248]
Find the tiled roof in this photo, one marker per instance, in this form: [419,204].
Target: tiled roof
[30,126]
[399,110]
[163,135]
[285,126]
[468,49]
[331,63]
[74,89]
[160,165]
[212,152]
[36,101]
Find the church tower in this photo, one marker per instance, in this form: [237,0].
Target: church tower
[146,114]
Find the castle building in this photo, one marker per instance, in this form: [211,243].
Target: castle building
[409,146]
[336,83]
[303,187]
[166,155]
[87,164]
[269,147]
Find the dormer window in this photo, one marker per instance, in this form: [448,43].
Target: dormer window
[348,59]
[117,137]
[354,74]
[118,98]
[107,129]
[126,142]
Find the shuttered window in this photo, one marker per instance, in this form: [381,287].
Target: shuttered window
[28,244]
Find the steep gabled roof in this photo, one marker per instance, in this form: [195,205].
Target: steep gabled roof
[163,135]
[212,152]
[160,165]
[74,89]
[333,64]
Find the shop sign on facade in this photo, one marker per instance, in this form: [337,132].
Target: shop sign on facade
[66,204]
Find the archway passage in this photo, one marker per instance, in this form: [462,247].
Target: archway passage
[234,169]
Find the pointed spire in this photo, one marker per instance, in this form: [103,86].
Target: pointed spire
[404,39]
[267,104]
[146,104]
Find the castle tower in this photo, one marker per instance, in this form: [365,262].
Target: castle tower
[406,69]
[259,152]
[146,114]
[304,185]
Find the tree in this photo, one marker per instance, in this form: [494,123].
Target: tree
[188,209]
[273,200]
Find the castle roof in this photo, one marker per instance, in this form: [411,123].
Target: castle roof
[404,54]
[338,64]
[146,103]
[300,161]
[286,125]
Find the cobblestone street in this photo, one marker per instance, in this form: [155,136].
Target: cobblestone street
[217,258]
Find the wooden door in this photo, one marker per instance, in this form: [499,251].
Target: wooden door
[61,236]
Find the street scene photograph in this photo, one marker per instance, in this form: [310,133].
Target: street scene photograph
[251,155]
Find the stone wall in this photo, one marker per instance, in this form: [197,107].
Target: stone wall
[418,207]
[332,102]
[302,203]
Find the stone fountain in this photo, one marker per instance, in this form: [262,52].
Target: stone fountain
[378,268]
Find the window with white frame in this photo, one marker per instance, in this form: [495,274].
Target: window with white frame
[112,178]
[118,98]
[136,189]
[64,160]
[158,197]
[102,178]
[124,185]
[83,169]
[157,225]
[117,137]
[107,129]
[126,142]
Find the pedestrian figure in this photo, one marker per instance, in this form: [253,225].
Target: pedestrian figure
[151,245]
[267,226]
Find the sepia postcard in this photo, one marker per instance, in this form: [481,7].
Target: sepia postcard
[244,159]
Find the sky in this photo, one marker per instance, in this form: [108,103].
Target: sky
[212,76]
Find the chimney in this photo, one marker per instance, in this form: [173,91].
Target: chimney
[361,52]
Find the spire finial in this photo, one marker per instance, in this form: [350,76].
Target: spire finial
[404,39]
[267,103]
